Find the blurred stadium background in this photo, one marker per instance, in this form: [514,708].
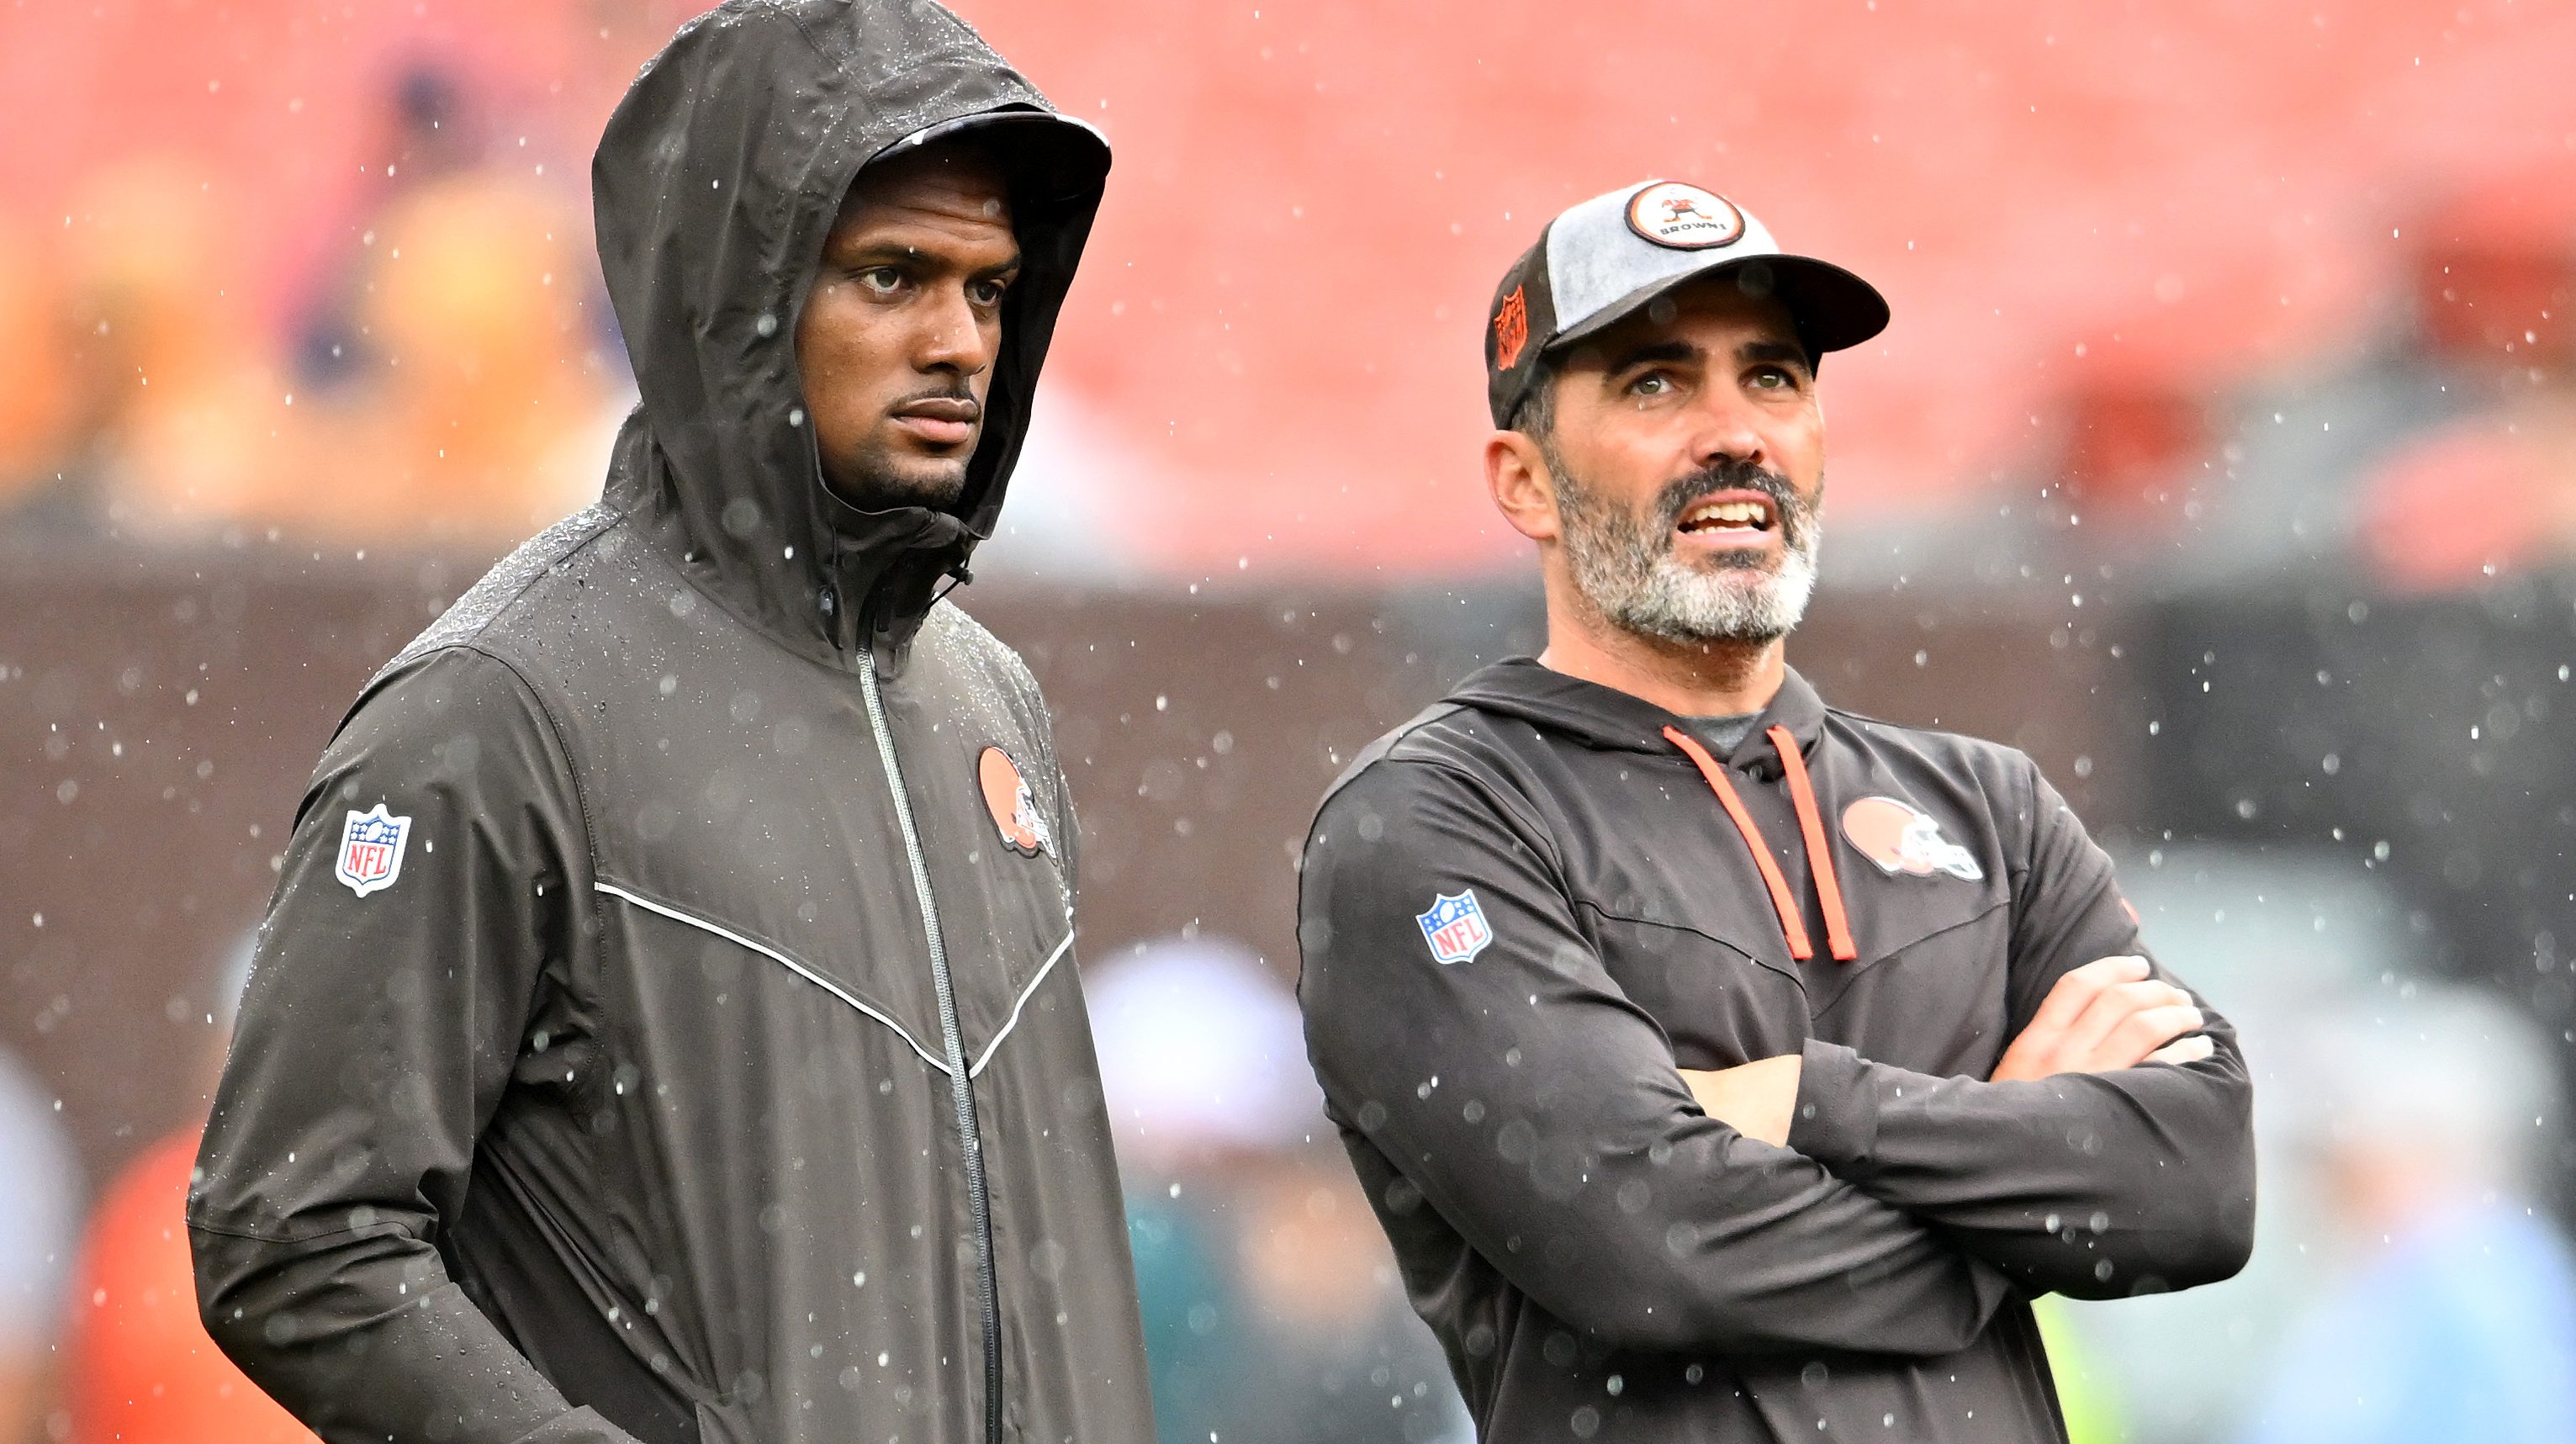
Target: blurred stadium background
[2223,455]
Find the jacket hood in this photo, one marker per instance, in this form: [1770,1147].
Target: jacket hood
[1607,719]
[714,186]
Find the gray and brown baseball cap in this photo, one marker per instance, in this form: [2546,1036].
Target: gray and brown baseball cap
[1604,258]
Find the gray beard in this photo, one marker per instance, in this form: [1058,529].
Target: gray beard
[1625,567]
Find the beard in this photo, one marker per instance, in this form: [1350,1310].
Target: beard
[1625,567]
[874,476]
[878,480]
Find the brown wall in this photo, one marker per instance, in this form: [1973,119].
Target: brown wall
[159,714]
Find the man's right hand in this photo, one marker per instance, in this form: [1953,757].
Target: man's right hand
[2106,1015]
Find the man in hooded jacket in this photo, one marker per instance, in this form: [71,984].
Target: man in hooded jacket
[665,1027]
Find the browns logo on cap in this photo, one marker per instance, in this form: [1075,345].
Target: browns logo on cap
[1901,838]
[1685,217]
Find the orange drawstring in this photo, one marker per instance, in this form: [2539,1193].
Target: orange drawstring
[1792,926]
[1820,857]
[1811,825]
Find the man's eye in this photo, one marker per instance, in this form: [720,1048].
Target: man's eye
[1653,383]
[883,280]
[1774,378]
[987,293]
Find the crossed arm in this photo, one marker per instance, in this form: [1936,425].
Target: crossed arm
[2109,1014]
[2111,1150]
[1540,1114]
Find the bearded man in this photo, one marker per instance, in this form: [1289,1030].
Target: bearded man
[1722,1065]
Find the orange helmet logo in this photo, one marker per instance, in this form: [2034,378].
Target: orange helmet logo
[1015,811]
[1900,838]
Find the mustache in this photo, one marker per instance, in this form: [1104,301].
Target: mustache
[958,390]
[1731,474]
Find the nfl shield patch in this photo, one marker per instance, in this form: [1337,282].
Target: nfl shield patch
[1455,927]
[371,850]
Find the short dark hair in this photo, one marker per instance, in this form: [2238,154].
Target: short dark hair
[1535,414]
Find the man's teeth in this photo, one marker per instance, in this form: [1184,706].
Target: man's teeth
[1726,514]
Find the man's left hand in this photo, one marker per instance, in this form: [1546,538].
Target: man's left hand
[1756,1099]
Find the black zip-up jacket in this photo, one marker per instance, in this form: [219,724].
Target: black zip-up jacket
[1525,910]
[690,1050]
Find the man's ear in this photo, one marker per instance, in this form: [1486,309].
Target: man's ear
[1524,490]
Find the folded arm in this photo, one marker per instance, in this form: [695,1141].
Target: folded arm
[1522,1096]
[2078,1169]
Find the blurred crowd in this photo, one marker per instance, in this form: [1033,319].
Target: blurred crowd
[447,374]
[2425,444]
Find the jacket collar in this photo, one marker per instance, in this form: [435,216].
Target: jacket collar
[1796,707]
[1611,720]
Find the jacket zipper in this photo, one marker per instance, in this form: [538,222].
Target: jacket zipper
[961,1086]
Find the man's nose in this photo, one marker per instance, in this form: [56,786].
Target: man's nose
[1726,431]
[953,337]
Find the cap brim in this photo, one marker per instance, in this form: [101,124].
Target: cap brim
[1832,308]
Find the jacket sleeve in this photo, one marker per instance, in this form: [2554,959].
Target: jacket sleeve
[375,1039]
[1540,1113]
[2090,1185]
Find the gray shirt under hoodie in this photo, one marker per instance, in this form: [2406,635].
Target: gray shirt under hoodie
[690,1050]
[1526,910]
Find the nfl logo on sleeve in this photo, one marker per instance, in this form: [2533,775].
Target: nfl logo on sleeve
[1455,927]
[371,850]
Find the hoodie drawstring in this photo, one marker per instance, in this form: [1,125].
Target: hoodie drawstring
[1811,826]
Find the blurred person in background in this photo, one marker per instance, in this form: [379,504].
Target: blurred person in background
[2492,492]
[1686,1116]
[175,414]
[664,1030]
[38,397]
[39,1226]
[462,350]
[1272,1313]
[2436,448]
[138,1365]
[2454,1316]
[428,136]
[481,396]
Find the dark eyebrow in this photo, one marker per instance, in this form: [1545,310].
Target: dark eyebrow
[1651,351]
[1775,351]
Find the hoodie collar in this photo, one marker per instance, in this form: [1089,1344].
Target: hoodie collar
[1608,719]
[714,185]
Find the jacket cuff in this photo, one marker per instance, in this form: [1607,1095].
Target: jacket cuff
[1835,1120]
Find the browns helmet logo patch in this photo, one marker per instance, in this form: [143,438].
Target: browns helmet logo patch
[1511,328]
[1014,808]
[1900,838]
[1684,217]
